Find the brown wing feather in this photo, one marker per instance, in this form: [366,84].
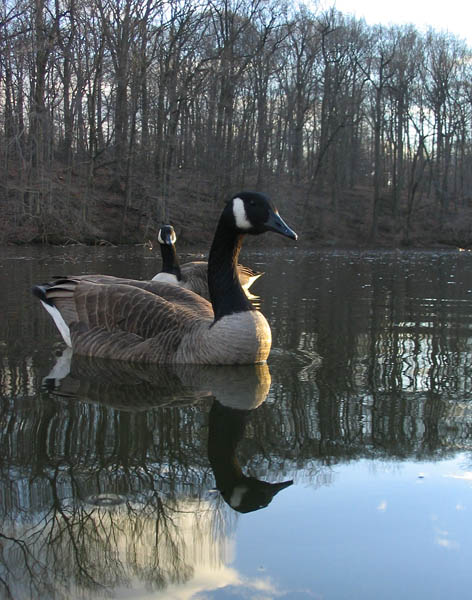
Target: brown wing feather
[195,277]
[127,319]
[169,292]
[247,276]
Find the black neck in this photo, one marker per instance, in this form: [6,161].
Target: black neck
[170,262]
[226,429]
[226,294]
[225,432]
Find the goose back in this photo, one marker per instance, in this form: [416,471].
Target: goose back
[144,321]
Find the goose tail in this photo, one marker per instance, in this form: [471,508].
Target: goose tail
[253,278]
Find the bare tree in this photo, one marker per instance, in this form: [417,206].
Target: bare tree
[159,98]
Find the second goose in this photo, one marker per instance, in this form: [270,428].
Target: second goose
[192,275]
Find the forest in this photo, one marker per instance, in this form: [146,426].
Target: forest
[118,115]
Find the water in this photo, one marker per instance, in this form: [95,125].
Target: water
[109,476]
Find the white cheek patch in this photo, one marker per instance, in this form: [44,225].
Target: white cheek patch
[240,216]
[173,237]
[159,238]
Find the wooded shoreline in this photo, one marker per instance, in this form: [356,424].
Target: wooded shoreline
[118,116]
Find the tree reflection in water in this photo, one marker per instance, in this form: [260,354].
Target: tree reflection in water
[114,490]
[371,358]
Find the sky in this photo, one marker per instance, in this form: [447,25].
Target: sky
[454,16]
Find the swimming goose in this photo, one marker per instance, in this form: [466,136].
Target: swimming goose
[154,322]
[192,275]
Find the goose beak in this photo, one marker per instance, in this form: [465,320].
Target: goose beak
[277,224]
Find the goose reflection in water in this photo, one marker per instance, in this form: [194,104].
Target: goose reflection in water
[237,391]
[229,415]
[111,490]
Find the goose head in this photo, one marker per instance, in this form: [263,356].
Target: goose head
[254,213]
[166,235]
[170,271]
[246,213]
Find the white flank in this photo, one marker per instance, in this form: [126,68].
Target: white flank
[166,278]
[240,216]
[59,321]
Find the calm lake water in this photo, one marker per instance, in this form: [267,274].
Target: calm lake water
[110,474]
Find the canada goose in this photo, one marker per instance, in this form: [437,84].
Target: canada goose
[192,275]
[153,322]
